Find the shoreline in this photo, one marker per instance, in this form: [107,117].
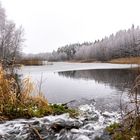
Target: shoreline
[126,60]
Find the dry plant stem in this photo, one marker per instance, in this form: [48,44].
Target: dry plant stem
[134,114]
[36,132]
[13,106]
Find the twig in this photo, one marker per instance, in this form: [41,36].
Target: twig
[36,132]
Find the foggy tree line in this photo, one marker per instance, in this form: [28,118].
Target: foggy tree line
[125,43]
[67,52]
[11,39]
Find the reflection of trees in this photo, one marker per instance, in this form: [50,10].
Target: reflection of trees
[118,78]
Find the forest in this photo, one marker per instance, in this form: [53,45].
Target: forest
[125,43]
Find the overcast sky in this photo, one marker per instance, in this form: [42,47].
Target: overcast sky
[50,24]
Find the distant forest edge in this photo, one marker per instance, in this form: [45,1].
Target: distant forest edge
[125,43]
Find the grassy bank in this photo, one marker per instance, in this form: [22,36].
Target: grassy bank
[20,102]
[131,60]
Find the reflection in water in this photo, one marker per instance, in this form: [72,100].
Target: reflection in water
[105,86]
[119,78]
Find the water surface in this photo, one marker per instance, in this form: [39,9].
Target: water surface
[64,82]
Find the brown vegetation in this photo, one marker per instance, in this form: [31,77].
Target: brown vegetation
[127,60]
[15,105]
[24,101]
[129,127]
[30,62]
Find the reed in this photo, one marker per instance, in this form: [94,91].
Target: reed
[30,62]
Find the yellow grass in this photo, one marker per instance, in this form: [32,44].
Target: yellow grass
[26,101]
[131,60]
[23,104]
[30,62]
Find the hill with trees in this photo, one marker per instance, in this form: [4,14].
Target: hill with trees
[125,43]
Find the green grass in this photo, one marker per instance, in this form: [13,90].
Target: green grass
[60,109]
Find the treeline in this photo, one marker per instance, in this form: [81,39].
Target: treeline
[125,43]
[11,39]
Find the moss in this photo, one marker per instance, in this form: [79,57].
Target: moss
[60,109]
[19,111]
[112,128]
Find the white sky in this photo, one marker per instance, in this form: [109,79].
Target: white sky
[50,24]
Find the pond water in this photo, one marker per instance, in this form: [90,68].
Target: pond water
[64,82]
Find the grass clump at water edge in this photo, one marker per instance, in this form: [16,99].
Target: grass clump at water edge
[18,102]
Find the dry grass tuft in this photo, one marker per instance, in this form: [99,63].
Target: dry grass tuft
[20,99]
[25,104]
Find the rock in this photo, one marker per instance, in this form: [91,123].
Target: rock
[86,126]
[51,137]
[105,136]
[64,135]
[35,123]
[76,103]
[89,126]
[82,137]
[73,124]
[61,124]
[45,120]
[91,118]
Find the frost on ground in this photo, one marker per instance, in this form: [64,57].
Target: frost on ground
[89,124]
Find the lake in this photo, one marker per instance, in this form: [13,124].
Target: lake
[94,89]
[64,82]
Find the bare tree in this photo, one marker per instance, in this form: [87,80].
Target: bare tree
[11,39]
